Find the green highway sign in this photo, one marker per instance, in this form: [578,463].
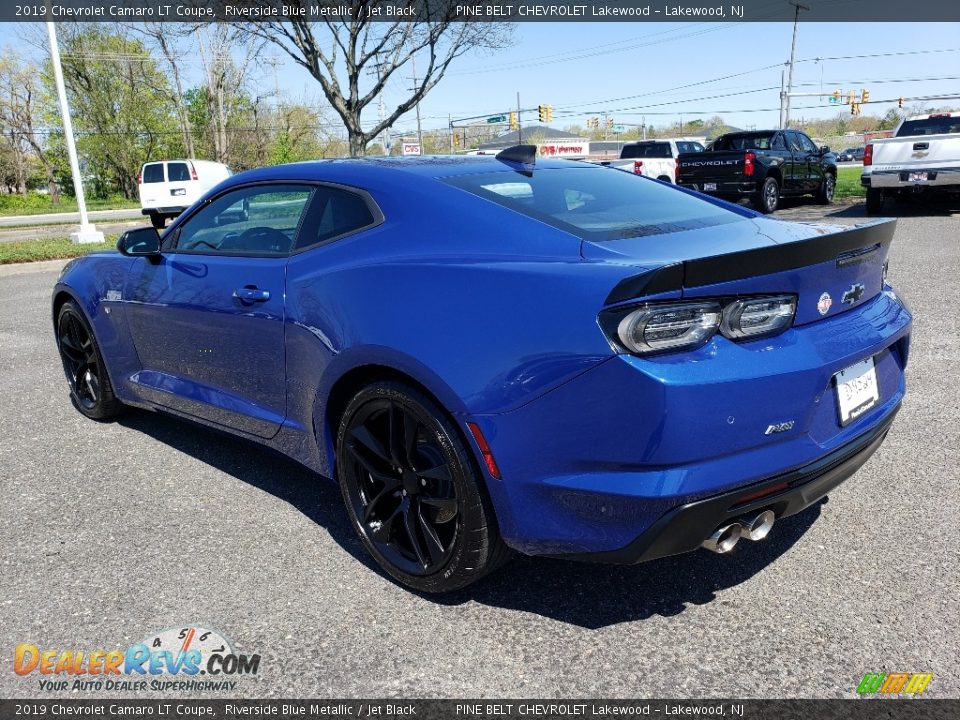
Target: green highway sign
[619,128]
[497,118]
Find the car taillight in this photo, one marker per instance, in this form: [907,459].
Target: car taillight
[193,172]
[676,172]
[868,155]
[637,167]
[654,328]
[752,317]
[748,163]
[139,178]
[661,328]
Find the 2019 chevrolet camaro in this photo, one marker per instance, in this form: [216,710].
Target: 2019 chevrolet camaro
[496,353]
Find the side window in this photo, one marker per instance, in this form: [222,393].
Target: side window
[153,173]
[249,221]
[178,172]
[778,143]
[807,143]
[334,212]
[793,142]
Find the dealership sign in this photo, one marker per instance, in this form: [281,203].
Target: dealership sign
[564,149]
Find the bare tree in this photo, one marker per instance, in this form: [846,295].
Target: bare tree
[21,94]
[342,55]
[225,75]
[169,38]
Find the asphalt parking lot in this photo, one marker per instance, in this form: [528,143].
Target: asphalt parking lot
[116,531]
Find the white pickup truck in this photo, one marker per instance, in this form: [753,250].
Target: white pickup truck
[923,156]
[655,158]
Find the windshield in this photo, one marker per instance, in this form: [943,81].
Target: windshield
[941,125]
[597,203]
[646,150]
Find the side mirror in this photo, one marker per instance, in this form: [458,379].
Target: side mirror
[824,149]
[142,241]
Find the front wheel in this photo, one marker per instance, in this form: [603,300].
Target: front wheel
[413,491]
[827,189]
[874,201]
[90,389]
[768,197]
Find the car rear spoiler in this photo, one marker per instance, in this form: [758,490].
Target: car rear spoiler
[846,247]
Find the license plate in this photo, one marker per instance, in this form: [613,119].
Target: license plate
[178,191]
[709,186]
[917,177]
[857,390]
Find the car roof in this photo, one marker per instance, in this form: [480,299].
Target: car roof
[359,169]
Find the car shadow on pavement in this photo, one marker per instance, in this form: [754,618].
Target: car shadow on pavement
[579,593]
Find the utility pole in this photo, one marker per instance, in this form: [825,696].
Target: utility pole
[450,126]
[86,233]
[785,97]
[413,59]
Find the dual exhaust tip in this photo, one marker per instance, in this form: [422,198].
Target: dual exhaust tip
[751,527]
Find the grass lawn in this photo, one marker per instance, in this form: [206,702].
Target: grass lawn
[848,182]
[37,204]
[48,249]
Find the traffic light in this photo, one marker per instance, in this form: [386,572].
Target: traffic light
[864,96]
[836,96]
[593,122]
[513,121]
[854,108]
[850,98]
[456,140]
[549,113]
[900,102]
[542,113]
[609,122]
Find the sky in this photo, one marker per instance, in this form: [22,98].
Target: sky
[662,73]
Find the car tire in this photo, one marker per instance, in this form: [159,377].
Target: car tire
[768,196]
[874,201]
[413,491]
[90,390]
[827,188]
[158,221]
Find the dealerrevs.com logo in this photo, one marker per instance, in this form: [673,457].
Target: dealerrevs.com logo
[172,660]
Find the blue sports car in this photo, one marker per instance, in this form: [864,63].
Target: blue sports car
[503,353]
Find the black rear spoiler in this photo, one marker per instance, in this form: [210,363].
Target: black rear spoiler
[846,247]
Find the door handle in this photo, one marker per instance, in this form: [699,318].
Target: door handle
[251,294]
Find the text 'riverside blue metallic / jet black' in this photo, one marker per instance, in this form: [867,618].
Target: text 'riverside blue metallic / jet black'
[494,353]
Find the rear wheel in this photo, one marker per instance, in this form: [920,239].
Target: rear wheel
[874,201]
[827,189]
[413,492]
[90,389]
[768,196]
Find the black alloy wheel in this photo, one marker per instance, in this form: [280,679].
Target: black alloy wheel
[827,189]
[90,389]
[412,491]
[768,197]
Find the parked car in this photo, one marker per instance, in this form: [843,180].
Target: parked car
[858,153]
[762,165]
[655,159]
[922,158]
[495,353]
[168,187]
[845,155]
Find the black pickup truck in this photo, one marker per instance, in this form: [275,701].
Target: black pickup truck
[763,165]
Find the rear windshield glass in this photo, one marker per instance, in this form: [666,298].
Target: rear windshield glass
[930,126]
[596,203]
[178,172]
[645,150]
[689,147]
[153,173]
[743,142]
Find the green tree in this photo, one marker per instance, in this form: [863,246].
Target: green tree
[120,103]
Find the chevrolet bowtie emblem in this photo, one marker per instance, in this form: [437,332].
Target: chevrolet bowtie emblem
[853,294]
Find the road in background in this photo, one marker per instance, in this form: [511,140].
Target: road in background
[119,530]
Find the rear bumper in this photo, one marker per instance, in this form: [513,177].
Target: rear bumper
[594,464]
[684,528]
[731,188]
[945,179]
[167,211]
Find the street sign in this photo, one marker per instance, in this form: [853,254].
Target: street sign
[497,119]
[619,128]
[411,148]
